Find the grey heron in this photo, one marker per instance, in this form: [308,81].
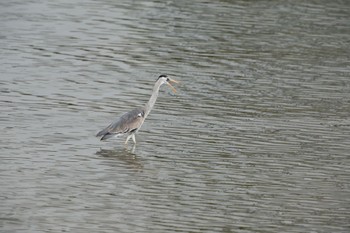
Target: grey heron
[130,122]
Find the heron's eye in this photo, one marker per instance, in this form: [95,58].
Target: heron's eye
[167,79]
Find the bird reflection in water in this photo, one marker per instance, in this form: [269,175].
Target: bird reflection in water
[124,155]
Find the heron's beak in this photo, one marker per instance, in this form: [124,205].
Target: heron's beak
[169,84]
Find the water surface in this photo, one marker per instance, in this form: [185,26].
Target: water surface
[255,140]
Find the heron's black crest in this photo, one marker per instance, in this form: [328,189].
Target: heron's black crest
[162,76]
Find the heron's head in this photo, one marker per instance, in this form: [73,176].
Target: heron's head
[164,79]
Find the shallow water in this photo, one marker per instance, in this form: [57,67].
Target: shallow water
[255,140]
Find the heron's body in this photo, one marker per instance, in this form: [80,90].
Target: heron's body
[130,122]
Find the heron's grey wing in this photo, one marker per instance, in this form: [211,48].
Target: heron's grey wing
[129,122]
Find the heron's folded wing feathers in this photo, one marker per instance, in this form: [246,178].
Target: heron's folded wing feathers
[128,122]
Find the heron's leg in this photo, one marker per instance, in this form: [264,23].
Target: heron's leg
[133,138]
[127,139]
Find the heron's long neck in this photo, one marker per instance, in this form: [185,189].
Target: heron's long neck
[153,99]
